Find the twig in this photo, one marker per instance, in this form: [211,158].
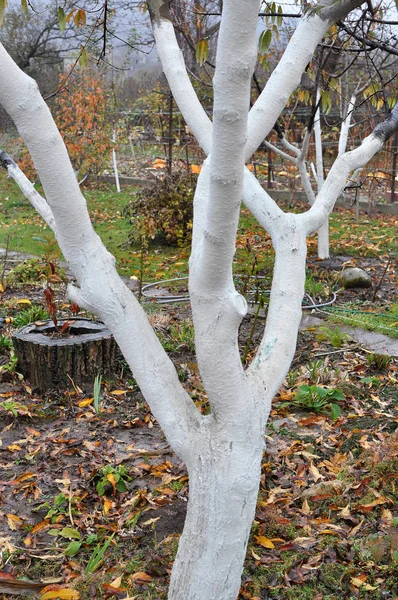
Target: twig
[381,279]
[2,276]
[70,505]
[337,351]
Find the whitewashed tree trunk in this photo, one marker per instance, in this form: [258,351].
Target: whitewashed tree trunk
[323,231]
[222,450]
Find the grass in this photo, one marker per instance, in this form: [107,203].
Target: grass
[385,323]
[21,225]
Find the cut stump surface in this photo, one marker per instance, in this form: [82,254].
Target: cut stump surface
[49,362]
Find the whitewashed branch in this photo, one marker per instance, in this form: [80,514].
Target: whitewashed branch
[287,75]
[344,165]
[100,288]
[28,189]
[176,73]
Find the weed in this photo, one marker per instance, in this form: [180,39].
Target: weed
[292,376]
[317,399]
[30,315]
[14,407]
[5,344]
[97,393]
[315,369]
[335,337]
[97,556]
[378,361]
[60,505]
[313,287]
[111,480]
[181,336]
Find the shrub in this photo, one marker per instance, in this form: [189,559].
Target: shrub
[163,211]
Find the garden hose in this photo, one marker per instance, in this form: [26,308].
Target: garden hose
[185,298]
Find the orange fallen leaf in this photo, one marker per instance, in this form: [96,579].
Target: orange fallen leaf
[107,506]
[141,577]
[111,478]
[196,169]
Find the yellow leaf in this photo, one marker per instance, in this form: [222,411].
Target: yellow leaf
[264,542]
[255,556]
[1,288]
[151,521]
[59,594]
[14,522]
[116,583]
[23,301]
[107,506]
[346,511]
[85,402]
[118,392]
[14,447]
[305,509]
[359,583]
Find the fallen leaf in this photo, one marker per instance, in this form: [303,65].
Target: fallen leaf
[85,402]
[14,522]
[264,542]
[315,473]
[141,577]
[57,592]
[357,582]
[116,583]
[305,509]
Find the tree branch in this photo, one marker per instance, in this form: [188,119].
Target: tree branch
[287,76]
[100,288]
[344,165]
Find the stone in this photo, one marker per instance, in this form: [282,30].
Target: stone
[355,278]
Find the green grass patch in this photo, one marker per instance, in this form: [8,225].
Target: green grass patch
[385,323]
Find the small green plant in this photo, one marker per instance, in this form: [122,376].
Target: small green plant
[5,344]
[313,287]
[292,376]
[60,505]
[110,480]
[14,407]
[318,399]
[97,393]
[34,270]
[315,369]
[181,336]
[378,361]
[30,315]
[335,337]
[97,556]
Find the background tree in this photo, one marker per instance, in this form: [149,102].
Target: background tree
[222,450]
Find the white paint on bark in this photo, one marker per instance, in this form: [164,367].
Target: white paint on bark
[222,450]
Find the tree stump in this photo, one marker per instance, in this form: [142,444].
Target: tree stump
[48,362]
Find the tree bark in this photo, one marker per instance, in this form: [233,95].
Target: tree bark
[223,480]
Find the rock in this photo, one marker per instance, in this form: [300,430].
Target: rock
[355,277]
